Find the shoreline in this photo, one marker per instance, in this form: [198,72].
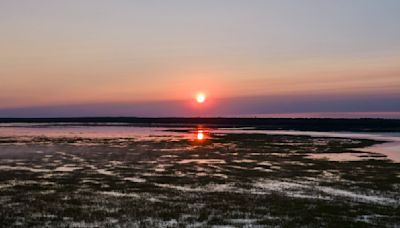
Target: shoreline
[304,124]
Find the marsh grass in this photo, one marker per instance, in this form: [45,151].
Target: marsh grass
[228,179]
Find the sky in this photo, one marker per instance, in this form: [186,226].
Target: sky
[150,58]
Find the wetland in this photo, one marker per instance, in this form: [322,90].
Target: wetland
[134,176]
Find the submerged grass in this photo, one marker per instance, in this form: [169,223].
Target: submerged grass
[228,179]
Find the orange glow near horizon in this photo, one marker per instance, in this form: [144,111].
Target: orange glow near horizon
[200,98]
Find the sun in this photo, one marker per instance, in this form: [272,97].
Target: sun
[200,98]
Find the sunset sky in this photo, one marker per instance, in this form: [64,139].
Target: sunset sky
[151,58]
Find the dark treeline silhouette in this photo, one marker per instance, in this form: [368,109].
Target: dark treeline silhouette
[313,124]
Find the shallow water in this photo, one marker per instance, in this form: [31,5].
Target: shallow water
[96,131]
[390,148]
[150,176]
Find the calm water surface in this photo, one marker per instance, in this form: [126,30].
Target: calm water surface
[390,148]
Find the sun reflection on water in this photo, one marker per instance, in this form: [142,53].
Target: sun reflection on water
[200,135]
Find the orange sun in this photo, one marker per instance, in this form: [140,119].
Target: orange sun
[200,98]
